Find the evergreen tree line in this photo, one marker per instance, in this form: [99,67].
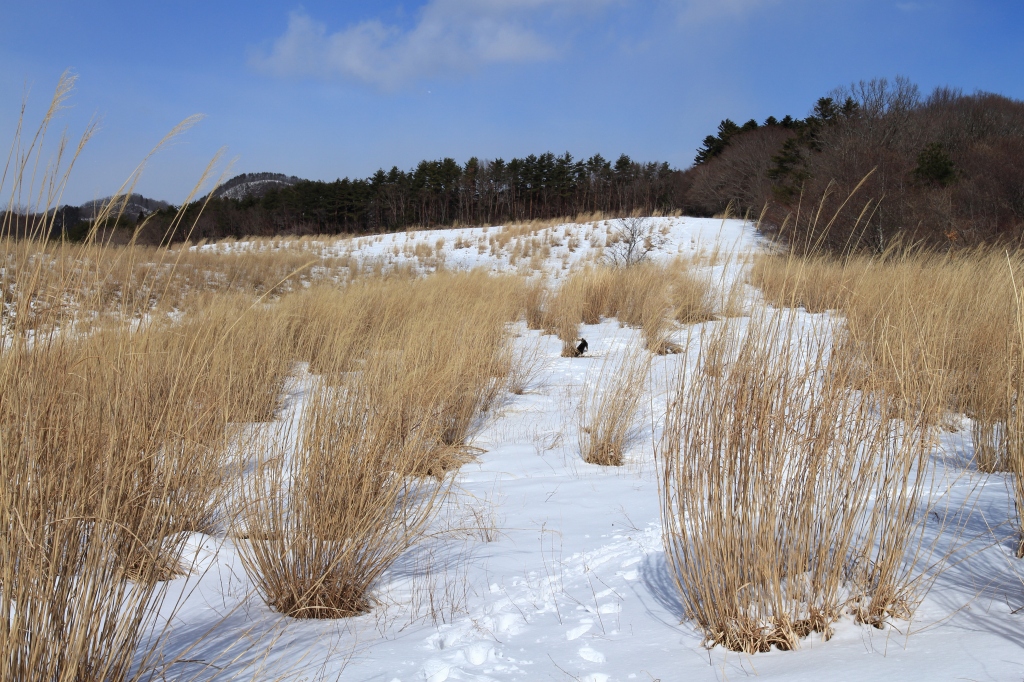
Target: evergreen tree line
[441,193]
[872,165]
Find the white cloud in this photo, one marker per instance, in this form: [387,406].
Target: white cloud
[448,36]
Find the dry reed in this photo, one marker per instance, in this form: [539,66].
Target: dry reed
[326,518]
[406,367]
[926,328]
[113,427]
[646,296]
[608,412]
[788,498]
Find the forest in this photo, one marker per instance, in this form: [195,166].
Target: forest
[439,193]
[873,165]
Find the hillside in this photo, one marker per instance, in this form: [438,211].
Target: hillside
[254,185]
[547,567]
[136,205]
[888,166]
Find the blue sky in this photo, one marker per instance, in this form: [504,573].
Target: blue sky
[332,89]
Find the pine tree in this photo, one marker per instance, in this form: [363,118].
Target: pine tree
[934,165]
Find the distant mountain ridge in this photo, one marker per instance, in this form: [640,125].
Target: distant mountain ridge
[254,185]
[137,204]
[239,188]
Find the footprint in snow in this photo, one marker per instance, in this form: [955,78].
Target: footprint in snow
[436,671]
[592,655]
[479,653]
[579,631]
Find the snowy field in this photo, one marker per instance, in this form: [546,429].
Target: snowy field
[543,567]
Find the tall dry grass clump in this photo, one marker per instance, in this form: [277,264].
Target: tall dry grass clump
[99,483]
[814,283]
[565,311]
[325,518]
[652,297]
[245,353]
[526,363]
[911,313]
[404,370]
[690,295]
[449,330]
[114,423]
[918,319]
[112,451]
[647,296]
[608,412]
[788,498]
[1015,422]
[534,298]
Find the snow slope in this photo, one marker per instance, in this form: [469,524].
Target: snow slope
[544,567]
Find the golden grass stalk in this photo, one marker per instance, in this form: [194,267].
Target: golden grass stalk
[608,410]
[690,295]
[535,296]
[914,314]
[89,508]
[527,363]
[378,434]
[446,335]
[113,427]
[564,313]
[327,518]
[646,296]
[1015,421]
[779,483]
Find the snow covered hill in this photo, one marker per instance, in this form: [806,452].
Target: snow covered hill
[253,185]
[544,567]
[136,205]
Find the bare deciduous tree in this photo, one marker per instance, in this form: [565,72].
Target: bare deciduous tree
[631,241]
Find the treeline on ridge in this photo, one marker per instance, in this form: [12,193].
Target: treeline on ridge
[438,193]
[874,165]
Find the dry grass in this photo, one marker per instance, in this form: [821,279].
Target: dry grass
[102,473]
[56,282]
[788,499]
[114,448]
[128,375]
[449,330]
[813,283]
[1015,422]
[918,320]
[326,518]
[406,368]
[527,363]
[646,296]
[608,413]
[955,311]
[690,295]
[564,312]
[124,434]
[535,297]
[114,423]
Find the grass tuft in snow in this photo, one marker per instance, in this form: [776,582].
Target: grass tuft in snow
[788,499]
[608,409]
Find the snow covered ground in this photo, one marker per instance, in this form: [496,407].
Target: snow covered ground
[544,567]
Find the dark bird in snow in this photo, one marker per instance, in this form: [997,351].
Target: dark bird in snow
[582,348]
